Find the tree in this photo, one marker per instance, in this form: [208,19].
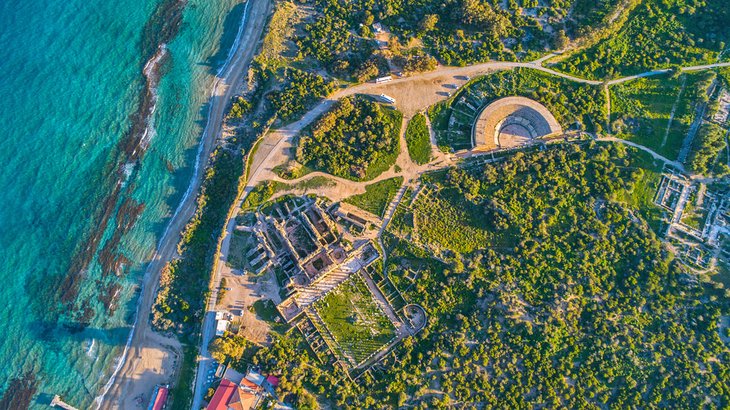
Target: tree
[428,23]
[561,40]
[227,347]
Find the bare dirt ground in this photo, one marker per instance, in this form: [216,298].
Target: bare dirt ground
[151,358]
[245,290]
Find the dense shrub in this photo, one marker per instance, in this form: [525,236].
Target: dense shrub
[708,143]
[357,139]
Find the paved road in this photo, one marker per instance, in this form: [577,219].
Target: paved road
[253,24]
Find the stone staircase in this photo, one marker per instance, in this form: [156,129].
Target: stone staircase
[307,296]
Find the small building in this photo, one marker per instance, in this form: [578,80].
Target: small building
[222,322]
[255,378]
[235,392]
[273,381]
[221,326]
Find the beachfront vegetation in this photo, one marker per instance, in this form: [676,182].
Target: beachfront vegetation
[184,281]
[357,139]
[239,107]
[574,105]
[377,196]
[708,143]
[657,34]
[418,139]
[657,112]
[356,322]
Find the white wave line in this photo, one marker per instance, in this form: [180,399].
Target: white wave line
[99,399]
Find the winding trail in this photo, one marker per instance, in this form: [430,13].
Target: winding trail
[651,152]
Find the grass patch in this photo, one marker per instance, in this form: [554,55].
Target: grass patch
[641,110]
[182,391]
[266,310]
[241,244]
[262,193]
[640,195]
[445,219]
[418,140]
[355,320]
[314,183]
[377,196]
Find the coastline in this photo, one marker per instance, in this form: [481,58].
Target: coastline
[148,357]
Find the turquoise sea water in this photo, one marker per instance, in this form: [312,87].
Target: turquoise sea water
[86,184]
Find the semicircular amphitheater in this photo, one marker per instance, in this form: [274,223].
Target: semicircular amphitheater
[511,122]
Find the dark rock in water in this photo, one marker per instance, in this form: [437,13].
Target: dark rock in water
[19,393]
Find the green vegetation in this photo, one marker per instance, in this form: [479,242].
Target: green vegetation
[355,320]
[339,36]
[639,197]
[569,102]
[418,139]
[279,30]
[266,310]
[582,281]
[445,219]
[377,196]
[239,107]
[357,139]
[578,305]
[181,391]
[708,143]
[242,242]
[261,193]
[461,32]
[657,34]
[184,281]
[641,110]
[299,91]
[228,348]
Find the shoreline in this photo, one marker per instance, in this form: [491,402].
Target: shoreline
[148,354]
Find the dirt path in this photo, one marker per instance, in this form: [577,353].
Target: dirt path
[653,153]
[665,71]
[141,366]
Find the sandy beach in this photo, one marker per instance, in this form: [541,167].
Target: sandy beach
[152,358]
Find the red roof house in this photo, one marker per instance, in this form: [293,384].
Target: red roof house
[273,381]
[229,396]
